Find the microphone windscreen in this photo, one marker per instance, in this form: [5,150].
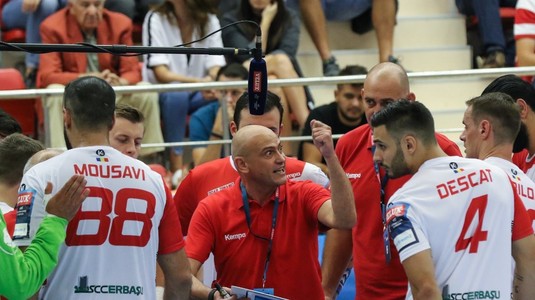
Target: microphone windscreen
[257,86]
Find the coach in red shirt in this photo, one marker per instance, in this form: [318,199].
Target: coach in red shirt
[256,227]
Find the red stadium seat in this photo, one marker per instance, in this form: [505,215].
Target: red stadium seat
[23,110]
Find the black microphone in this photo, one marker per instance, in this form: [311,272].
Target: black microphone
[257,84]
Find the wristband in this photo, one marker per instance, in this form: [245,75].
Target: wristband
[211,294]
[217,135]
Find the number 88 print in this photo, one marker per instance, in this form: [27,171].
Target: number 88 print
[126,217]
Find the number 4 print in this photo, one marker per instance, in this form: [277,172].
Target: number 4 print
[477,205]
[114,228]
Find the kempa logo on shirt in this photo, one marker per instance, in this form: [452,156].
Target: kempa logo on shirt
[353,175]
[84,288]
[237,236]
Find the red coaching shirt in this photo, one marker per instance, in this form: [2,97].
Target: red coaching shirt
[219,226]
[214,176]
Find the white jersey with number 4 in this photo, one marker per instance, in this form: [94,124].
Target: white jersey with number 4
[462,209]
[111,244]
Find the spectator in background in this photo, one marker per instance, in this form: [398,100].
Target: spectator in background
[134,9]
[447,251]
[490,28]
[177,22]
[28,15]
[343,115]
[280,38]
[88,21]
[365,15]
[208,120]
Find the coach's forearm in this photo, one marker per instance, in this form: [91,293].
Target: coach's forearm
[341,195]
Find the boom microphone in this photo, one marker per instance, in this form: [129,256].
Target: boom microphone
[257,84]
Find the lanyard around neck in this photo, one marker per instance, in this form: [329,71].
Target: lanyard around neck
[382,182]
[247,212]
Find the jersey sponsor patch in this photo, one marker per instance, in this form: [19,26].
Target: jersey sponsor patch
[24,207]
[400,227]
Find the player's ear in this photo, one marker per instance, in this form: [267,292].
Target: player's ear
[409,143]
[485,128]
[67,120]
[233,127]
[241,165]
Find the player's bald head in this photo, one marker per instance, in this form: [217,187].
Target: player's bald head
[391,73]
[249,137]
[41,156]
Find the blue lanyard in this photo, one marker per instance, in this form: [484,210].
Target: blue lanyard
[382,182]
[247,212]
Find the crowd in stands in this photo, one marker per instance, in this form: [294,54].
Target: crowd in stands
[249,208]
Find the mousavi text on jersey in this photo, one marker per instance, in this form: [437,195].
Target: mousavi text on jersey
[84,288]
[109,171]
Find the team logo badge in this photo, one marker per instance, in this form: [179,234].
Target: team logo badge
[101,153]
[455,167]
[514,174]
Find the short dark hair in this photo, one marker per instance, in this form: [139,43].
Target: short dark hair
[407,117]
[8,124]
[353,70]
[513,86]
[129,113]
[91,101]
[15,150]
[272,101]
[501,110]
[233,70]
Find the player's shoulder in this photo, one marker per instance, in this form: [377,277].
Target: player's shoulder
[359,133]
[212,166]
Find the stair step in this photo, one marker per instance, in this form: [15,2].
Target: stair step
[452,58]
[413,32]
[426,7]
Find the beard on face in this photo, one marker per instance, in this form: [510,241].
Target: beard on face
[398,166]
[522,139]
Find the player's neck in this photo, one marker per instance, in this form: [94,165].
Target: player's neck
[431,153]
[500,151]
[259,193]
[90,139]
[8,194]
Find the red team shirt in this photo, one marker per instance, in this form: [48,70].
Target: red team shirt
[375,279]
[209,178]
[111,246]
[219,226]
